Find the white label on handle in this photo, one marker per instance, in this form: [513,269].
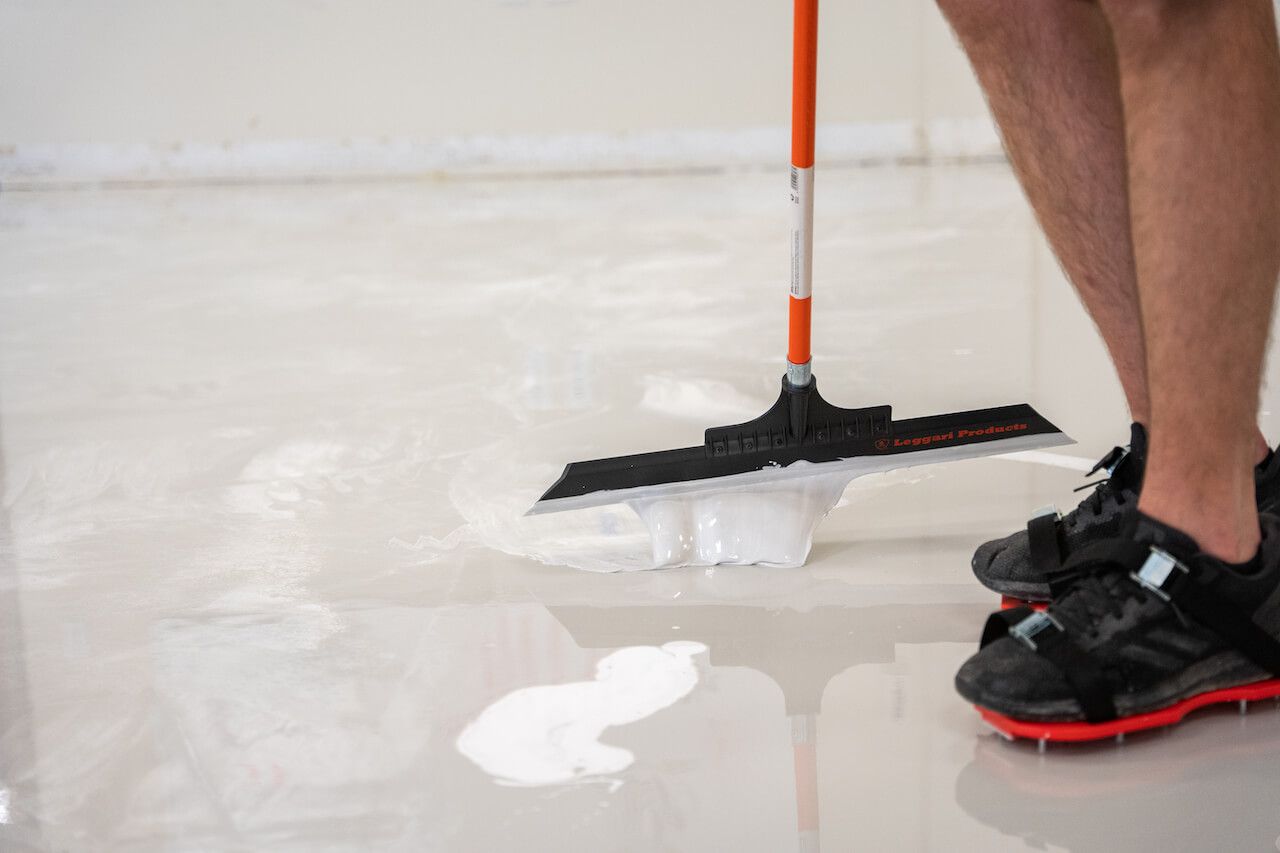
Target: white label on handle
[801,232]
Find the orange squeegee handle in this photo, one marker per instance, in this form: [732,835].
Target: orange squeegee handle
[804,84]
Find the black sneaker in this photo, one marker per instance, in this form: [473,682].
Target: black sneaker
[1023,565]
[1151,629]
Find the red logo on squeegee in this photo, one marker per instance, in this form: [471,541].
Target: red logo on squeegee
[882,444]
[954,435]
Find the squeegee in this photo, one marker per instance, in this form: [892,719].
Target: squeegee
[801,435]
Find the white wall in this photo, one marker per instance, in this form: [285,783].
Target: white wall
[94,89]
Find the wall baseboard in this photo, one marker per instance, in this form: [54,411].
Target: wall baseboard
[51,166]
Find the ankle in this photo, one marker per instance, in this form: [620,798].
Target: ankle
[1262,448]
[1225,526]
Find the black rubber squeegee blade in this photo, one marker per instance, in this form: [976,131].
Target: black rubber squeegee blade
[800,427]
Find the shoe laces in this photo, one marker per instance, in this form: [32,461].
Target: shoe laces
[1118,465]
[1101,588]
[1095,595]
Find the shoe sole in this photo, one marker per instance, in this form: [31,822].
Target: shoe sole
[1080,732]
[1008,602]
[1000,587]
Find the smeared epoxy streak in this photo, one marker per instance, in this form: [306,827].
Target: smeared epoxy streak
[1053,460]
[550,734]
[699,399]
[770,523]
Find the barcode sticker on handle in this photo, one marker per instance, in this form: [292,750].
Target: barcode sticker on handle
[801,232]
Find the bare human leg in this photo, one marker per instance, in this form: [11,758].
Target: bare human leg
[1050,73]
[1048,68]
[1201,88]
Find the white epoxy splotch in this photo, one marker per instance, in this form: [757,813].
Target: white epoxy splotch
[550,734]
[767,517]
[768,523]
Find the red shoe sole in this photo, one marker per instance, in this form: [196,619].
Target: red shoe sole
[1078,732]
[1008,602]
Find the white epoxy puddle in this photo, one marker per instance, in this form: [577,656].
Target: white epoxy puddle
[770,523]
[550,734]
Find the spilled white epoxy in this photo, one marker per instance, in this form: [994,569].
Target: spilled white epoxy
[767,517]
[767,523]
[550,734]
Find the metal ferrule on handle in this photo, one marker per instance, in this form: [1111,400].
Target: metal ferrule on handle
[804,81]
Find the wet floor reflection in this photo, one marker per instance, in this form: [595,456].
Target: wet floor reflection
[1208,784]
[801,651]
[19,828]
[226,416]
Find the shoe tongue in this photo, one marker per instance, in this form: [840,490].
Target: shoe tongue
[1150,531]
[1138,441]
[1128,474]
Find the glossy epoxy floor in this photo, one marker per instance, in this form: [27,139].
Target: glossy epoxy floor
[263,585]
